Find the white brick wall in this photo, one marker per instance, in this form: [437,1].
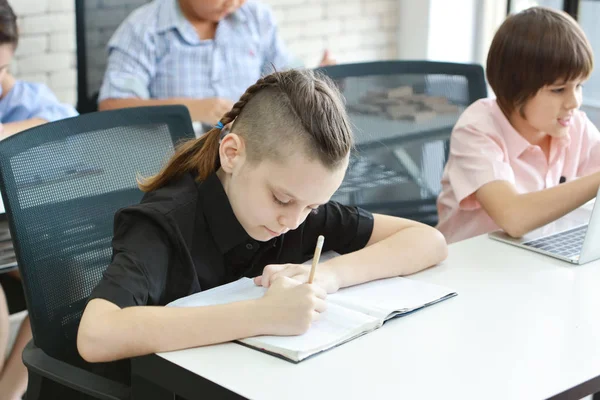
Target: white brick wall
[353,30]
[46,50]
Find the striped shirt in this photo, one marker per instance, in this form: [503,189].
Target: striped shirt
[157,54]
[27,100]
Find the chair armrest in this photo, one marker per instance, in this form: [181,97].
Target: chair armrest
[8,268]
[76,378]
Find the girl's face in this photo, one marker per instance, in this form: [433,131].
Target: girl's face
[271,198]
[212,10]
[551,110]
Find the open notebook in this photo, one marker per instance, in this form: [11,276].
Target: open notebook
[351,312]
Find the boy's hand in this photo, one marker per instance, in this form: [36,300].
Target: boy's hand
[324,276]
[289,308]
[210,110]
[327,59]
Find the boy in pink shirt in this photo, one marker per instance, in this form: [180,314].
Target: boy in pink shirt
[509,154]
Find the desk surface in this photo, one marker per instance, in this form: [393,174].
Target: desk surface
[524,326]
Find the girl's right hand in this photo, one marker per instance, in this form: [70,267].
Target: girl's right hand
[289,308]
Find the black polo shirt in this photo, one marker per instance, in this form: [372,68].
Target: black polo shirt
[185,238]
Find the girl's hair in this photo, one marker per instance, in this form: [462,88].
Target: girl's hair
[281,114]
[532,49]
[8,25]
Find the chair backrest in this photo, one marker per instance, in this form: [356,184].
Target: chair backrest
[403,113]
[62,183]
[96,21]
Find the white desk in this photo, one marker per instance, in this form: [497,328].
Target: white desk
[524,326]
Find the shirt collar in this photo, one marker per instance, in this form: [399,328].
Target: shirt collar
[237,16]
[517,144]
[558,147]
[170,16]
[222,222]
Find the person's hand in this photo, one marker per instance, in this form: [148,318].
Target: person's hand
[327,59]
[210,110]
[324,276]
[289,308]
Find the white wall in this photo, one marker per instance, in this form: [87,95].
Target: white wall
[589,11]
[443,30]
[354,30]
[413,29]
[46,51]
[452,30]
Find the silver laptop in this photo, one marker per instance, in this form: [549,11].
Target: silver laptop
[574,238]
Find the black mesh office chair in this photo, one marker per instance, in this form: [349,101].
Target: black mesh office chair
[61,184]
[403,113]
[96,21]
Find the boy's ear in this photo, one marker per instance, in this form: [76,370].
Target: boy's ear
[232,151]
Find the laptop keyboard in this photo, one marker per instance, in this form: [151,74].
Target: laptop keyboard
[566,244]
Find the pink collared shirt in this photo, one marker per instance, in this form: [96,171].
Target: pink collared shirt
[484,147]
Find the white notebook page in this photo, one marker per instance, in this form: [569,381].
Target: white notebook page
[334,325]
[382,297]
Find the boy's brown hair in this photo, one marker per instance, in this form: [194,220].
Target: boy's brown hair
[532,49]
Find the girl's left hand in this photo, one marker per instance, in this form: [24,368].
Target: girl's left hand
[324,276]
